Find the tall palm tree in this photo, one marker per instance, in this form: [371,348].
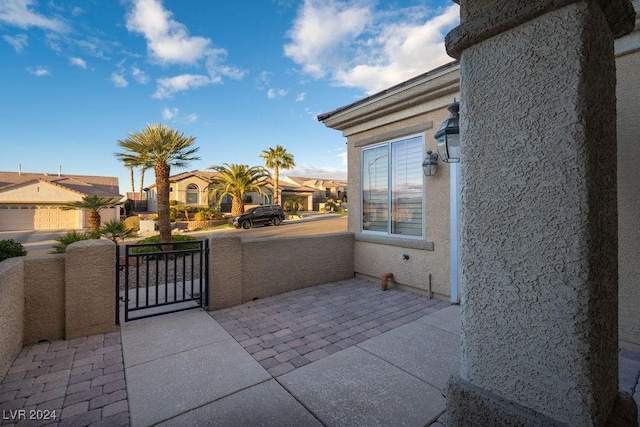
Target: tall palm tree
[236,181]
[276,159]
[93,204]
[159,147]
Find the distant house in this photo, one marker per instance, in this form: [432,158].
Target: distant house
[33,201]
[192,188]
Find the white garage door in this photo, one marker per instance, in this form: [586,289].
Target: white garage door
[30,217]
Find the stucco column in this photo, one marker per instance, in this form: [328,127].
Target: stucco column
[538,213]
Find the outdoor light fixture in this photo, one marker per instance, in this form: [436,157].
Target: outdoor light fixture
[430,163]
[448,136]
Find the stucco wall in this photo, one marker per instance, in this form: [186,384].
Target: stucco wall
[39,192]
[539,215]
[372,259]
[628,103]
[90,288]
[11,311]
[242,270]
[44,278]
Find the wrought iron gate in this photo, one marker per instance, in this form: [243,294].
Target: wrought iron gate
[154,279]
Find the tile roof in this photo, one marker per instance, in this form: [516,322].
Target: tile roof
[106,186]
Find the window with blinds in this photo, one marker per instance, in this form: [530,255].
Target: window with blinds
[392,187]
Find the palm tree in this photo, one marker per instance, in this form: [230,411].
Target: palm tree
[276,159]
[159,147]
[236,181]
[116,231]
[93,204]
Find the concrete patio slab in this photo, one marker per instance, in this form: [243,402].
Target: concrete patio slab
[428,353]
[447,319]
[152,338]
[265,404]
[169,386]
[355,388]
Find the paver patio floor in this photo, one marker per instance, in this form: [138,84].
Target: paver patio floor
[290,330]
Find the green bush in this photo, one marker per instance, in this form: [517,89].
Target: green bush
[173,202]
[66,239]
[133,223]
[200,216]
[116,231]
[10,248]
[158,247]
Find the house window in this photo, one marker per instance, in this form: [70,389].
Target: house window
[392,187]
[268,199]
[192,194]
[327,192]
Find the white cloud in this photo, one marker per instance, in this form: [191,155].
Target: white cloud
[191,118]
[301,96]
[326,172]
[167,40]
[276,93]
[170,85]
[77,11]
[19,13]
[19,42]
[119,80]
[169,113]
[39,71]
[354,45]
[78,62]
[342,157]
[139,75]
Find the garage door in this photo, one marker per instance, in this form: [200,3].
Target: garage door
[24,217]
[14,217]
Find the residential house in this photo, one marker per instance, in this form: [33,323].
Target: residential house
[33,201]
[405,117]
[325,189]
[192,188]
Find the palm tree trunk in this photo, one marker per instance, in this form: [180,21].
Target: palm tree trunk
[162,171]
[237,206]
[276,196]
[94,220]
[142,186]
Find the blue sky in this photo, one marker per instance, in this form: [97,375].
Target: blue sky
[78,75]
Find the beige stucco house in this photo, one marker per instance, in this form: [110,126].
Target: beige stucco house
[401,121]
[192,188]
[33,201]
[405,231]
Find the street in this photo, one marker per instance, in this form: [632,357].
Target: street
[40,242]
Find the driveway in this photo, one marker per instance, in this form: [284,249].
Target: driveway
[36,242]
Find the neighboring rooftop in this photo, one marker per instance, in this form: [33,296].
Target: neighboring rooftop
[106,186]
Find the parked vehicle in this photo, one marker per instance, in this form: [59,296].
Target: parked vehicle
[260,215]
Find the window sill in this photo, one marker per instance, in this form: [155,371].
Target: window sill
[395,241]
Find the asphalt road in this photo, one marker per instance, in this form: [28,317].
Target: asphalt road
[40,242]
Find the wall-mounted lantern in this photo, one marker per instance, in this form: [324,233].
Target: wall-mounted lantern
[430,163]
[448,136]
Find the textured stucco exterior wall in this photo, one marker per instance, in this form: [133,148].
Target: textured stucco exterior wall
[90,288]
[538,216]
[418,108]
[44,283]
[628,100]
[11,311]
[273,266]
[241,270]
[225,272]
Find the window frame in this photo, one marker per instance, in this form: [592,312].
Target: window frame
[390,173]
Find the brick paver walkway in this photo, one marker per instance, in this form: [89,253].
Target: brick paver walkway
[287,331]
[78,382]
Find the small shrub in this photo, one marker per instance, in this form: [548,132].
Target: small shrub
[158,247]
[66,239]
[10,249]
[115,231]
[173,202]
[200,216]
[133,223]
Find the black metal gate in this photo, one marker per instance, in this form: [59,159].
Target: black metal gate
[154,279]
